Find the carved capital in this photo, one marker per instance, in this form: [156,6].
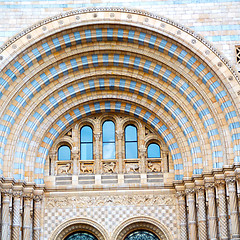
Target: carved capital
[200,189]
[230,180]
[17,194]
[190,191]
[38,198]
[97,136]
[75,156]
[7,192]
[180,194]
[28,196]
[119,135]
[209,186]
[220,183]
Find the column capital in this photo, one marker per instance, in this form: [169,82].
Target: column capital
[220,183]
[38,198]
[17,194]
[190,191]
[28,196]
[180,194]
[230,180]
[119,134]
[209,185]
[7,192]
[97,135]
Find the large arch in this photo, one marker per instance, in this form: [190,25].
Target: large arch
[85,61]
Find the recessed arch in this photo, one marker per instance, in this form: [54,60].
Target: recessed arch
[152,76]
[141,223]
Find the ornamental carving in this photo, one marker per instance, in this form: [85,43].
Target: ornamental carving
[154,167]
[64,168]
[109,167]
[86,201]
[210,185]
[86,168]
[17,194]
[230,180]
[38,198]
[132,168]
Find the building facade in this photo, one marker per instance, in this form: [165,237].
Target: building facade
[118,123]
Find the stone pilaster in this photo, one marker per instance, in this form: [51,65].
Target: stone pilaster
[142,155]
[182,215]
[6,194]
[202,216]
[192,223]
[27,198]
[97,137]
[232,191]
[75,158]
[212,215]
[222,209]
[37,217]
[120,151]
[16,215]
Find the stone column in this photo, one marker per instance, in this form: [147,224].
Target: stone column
[16,215]
[231,185]
[222,209]
[120,151]
[97,137]
[182,215]
[53,156]
[37,217]
[26,216]
[75,158]
[202,216]
[6,194]
[212,215]
[142,155]
[192,223]
[164,160]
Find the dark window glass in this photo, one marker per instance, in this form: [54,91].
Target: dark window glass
[64,153]
[108,137]
[86,143]
[80,236]
[141,235]
[153,151]
[131,144]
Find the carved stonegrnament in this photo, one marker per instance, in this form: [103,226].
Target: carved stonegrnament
[154,167]
[64,169]
[86,168]
[132,168]
[109,167]
[86,201]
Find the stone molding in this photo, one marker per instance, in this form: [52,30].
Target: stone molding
[123,10]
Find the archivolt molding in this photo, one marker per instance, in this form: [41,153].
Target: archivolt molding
[79,224]
[45,23]
[141,223]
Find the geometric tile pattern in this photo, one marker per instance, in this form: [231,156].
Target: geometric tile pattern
[110,216]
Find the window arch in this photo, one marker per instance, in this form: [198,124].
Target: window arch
[64,153]
[131,142]
[108,140]
[86,143]
[153,151]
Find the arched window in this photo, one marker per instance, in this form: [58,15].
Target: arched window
[153,151]
[141,235]
[108,138]
[64,153]
[86,143]
[81,236]
[131,144]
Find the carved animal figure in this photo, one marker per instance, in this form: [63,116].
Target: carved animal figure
[86,168]
[154,167]
[109,167]
[64,169]
[132,167]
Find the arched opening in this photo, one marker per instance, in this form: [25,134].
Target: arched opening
[80,236]
[141,235]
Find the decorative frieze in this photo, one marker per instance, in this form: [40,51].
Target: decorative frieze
[85,201]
